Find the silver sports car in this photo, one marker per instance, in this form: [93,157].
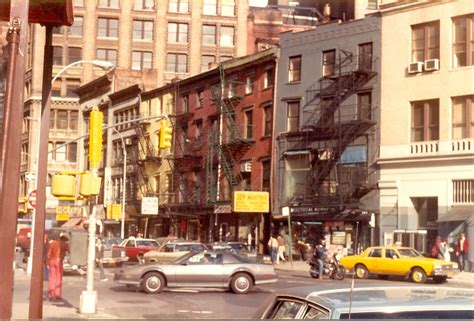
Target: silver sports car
[204,269]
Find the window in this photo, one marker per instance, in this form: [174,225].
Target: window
[58,30]
[208,35]
[178,6]
[73,120]
[143,4]
[266,176]
[329,62]
[60,153]
[76,28]
[365,56]
[177,32]
[375,253]
[109,3]
[177,63]
[249,80]
[297,167]
[425,120]
[268,78]
[463,41]
[227,8]
[57,56]
[209,7]
[78,3]
[71,85]
[293,116]
[72,152]
[425,41]
[56,89]
[107,27]
[227,37]
[142,30]
[74,54]
[62,119]
[198,135]
[142,60]
[249,124]
[207,61]
[364,104]
[200,98]
[185,100]
[294,69]
[463,117]
[389,253]
[107,55]
[267,129]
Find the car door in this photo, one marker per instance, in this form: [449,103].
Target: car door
[392,263]
[202,269]
[374,260]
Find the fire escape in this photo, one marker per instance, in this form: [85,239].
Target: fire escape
[148,160]
[330,127]
[227,145]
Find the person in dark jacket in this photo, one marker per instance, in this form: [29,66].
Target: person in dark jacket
[99,256]
[320,255]
[462,248]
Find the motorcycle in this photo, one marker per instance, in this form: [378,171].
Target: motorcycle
[331,267]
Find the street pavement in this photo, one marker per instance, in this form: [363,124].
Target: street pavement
[69,307]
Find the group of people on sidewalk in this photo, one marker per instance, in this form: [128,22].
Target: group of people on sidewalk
[442,250]
[278,246]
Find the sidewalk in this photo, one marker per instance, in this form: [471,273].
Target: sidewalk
[301,268]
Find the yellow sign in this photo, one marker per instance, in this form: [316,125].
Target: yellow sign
[114,212]
[61,215]
[251,202]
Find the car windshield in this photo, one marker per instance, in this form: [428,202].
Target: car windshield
[147,243]
[409,253]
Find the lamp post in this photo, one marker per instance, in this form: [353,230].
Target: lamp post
[36,286]
[124,185]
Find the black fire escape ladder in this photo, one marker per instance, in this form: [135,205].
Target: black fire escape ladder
[146,153]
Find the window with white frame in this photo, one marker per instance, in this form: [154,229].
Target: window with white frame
[228,8]
[268,113]
[248,123]
[425,120]
[365,56]
[463,117]
[177,32]
[144,4]
[108,3]
[57,56]
[293,116]
[142,30]
[181,6]
[177,63]
[142,60]
[268,78]
[297,167]
[107,27]
[208,35]
[294,69]
[227,37]
[107,55]
[463,41]
[249,81]
[209,7]
[76,28]
[425,41]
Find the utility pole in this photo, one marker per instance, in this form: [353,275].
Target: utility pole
[10,147]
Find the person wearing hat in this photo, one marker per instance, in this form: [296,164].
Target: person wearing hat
[56,251]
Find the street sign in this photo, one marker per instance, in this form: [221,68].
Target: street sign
[32,198]
[30,176]
[150,205]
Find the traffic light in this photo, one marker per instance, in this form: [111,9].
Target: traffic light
[95,138]
[166,134]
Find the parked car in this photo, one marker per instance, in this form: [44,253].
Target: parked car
[172,250]
[203,269]
[240,248]
[420,302]
[113,256]
[402,261]
[135,248]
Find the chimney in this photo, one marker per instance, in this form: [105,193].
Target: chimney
[327,12]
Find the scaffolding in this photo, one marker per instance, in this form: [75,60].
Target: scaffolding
[329,128]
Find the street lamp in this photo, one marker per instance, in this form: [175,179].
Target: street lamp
[36,286]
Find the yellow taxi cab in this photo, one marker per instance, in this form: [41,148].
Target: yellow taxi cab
[402,261]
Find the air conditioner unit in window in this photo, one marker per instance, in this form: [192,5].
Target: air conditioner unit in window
[415,67]
[432,64]
[246,167]
[128,141]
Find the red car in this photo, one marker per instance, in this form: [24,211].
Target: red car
[135,248]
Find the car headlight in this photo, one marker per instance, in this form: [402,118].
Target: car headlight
[438,267]
[122,253]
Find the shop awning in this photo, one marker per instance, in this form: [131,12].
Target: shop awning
[75,222]
[458,213]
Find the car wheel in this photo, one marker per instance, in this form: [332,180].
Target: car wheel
[418,275]
[382,276]
[361,271]
[241,283]
[340,273]
[313,275]
[153,282]
[440,279]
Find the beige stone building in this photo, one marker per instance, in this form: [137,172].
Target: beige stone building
[427,122]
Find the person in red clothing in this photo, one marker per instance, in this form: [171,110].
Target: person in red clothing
[56,251]
[462,248]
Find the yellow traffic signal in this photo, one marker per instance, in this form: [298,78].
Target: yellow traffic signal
[166,134]
[95,138]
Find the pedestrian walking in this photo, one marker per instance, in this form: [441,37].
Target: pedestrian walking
[273,248]
[447,251]
[56,252]
[462,248]
[99,257]
[281,249]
